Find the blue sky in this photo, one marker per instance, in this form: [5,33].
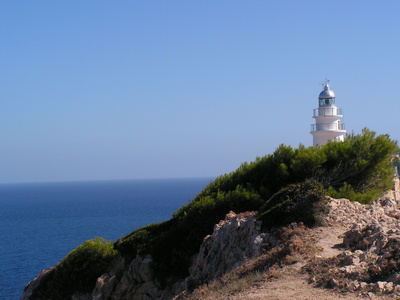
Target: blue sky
[94,90]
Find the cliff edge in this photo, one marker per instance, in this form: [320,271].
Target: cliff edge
[355,250]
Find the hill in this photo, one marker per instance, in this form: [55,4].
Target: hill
[286,188]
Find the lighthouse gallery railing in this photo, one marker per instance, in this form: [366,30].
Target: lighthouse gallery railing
[328,111]
[327,127]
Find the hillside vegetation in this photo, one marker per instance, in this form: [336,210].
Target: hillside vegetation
[286,186]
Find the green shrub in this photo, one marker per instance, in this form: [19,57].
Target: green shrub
[79,270]
[141,240]
[303,202]
[361,161]
[348,192]
[358,168]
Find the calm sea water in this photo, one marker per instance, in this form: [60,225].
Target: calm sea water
[41,222]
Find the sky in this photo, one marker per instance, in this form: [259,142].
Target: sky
[107,90]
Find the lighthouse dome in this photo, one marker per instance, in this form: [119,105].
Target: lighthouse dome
[326,93]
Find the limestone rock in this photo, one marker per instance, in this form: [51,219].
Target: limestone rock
[136,282]
[234,240]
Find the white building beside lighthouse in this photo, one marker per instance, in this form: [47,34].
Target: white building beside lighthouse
[327,119]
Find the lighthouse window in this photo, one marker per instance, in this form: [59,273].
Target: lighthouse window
[327,102]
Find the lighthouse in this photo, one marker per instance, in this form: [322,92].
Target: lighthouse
[327,119]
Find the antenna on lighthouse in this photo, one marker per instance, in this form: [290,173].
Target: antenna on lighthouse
[326,83]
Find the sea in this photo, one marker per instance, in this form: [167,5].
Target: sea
[40,223]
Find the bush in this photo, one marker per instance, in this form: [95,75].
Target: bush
[348,192]
[358,168]
[360,161]
[304,202]
[141,240]
[79,270]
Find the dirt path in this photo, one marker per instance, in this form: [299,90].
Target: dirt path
[295,287]
[330,239]
[292,284]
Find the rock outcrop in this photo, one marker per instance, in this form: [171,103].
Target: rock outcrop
[134,280]
[234,240]
[33,285]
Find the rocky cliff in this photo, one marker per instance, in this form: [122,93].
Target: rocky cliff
[368,257]
[234,240]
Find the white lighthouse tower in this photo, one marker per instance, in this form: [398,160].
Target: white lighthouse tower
[327,119]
